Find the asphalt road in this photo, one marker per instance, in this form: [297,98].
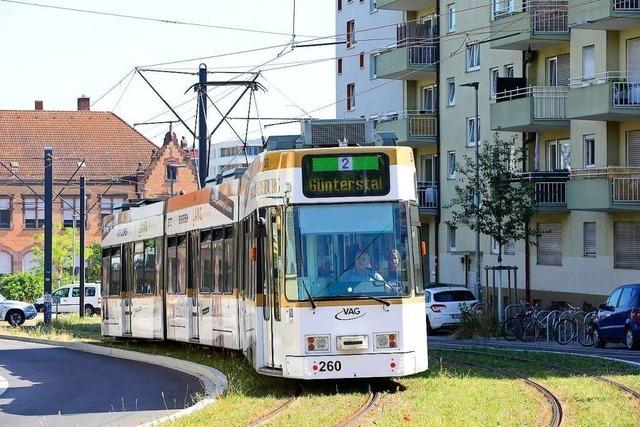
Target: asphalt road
[53,386]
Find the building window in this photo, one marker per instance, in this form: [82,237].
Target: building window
[339,65]
[451,232]
[473,57]
[373,66]
[361,60]
[589,239]
[502,7]
[373,5]
[626,245]
[549,244]
[588,62]
[351,96]
[451,92]
[589,151]
[172,173]
[254,150]
[108,205]
[508,71]
[472,131]
[351,33]
[33,212]
[451,18]
[6,264]
[5,212]
[451,164]
[71,211]
[510,248]
[28,261]
[339,5]
[494,73]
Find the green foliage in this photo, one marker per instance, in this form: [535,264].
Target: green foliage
[94,263]
[22,286]
[475,323]
[507,201]
[62,258]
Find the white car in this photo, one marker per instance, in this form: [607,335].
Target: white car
[66,299]
[443,305]
[16,312]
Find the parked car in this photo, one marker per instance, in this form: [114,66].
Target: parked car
[16,312]
[618,319]
[66,299]
[443,305]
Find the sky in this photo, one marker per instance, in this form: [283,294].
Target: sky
[59,55]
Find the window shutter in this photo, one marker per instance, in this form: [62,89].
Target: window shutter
[563,70]
[633,59]
[550,244]
[626,245]
[633,148]
[589,239]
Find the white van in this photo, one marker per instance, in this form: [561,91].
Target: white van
[66,299]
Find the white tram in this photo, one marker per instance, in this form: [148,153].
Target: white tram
[309,263]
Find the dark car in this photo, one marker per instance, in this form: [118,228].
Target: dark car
[618,319]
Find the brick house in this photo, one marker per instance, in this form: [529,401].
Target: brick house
[119,164]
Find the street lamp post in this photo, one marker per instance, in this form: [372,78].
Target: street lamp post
[475,86]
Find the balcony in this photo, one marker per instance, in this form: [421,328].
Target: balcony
[549,190]
[404,4]
[413,129]
[428,197]
[407,61]
[604,14]
[534,24]
[610,96]
[612,189]
[530,109]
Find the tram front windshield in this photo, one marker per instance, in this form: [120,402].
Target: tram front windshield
[346,251]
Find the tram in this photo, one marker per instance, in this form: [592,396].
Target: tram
[309,261]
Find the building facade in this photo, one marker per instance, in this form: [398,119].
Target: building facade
[117,162]
[229,155]
[559,76]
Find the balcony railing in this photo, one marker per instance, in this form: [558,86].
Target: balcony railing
[626,5]
[549,102]
[625,190]
[420,124]
[427,194]
[547,16]
[423,55]
[551,193]
[413,32]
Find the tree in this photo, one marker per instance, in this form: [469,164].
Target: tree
[94,263]
[22,286]
[507,201]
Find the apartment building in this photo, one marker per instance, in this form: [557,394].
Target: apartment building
[229,155]
[561,76]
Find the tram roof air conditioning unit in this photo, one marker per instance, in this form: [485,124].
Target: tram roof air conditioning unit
[337,133]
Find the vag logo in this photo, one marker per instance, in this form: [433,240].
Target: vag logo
[349,313]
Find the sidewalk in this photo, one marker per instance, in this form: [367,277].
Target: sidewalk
[612,351]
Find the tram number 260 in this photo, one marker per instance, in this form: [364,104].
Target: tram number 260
[329,366]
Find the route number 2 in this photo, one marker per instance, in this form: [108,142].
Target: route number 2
[330,366]
[345,163]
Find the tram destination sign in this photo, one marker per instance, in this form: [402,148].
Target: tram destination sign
[345,175]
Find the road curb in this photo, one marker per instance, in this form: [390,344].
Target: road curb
[213,381]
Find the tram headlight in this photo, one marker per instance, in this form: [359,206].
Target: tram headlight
[386,340]
[317,343]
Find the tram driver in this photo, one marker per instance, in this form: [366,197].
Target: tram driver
[362,270]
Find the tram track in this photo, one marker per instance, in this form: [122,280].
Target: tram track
[556,406]
[628,390]
[264,419]
[372,401]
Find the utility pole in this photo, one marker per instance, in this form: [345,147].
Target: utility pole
[202,125]
[48,231]
[82,221]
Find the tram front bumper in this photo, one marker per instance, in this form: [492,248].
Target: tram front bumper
[356,365]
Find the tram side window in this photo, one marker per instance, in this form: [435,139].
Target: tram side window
[138,267]
[216,248]
[172,260]
[114,284]
[150,275]
[246,259]
[290,271]
[417,260]
[206,282]
[228,261]
[275,261]
[181,283]
[106,268]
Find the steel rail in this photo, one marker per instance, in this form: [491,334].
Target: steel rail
[372,401]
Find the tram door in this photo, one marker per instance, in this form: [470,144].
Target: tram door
[127,287]
[192,284]
[262,287]
[271,308]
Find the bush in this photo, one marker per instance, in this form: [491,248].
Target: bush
[22,286]
[474,323]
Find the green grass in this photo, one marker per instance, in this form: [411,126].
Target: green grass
[448,394]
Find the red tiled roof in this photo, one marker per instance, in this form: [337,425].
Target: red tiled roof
[111,148]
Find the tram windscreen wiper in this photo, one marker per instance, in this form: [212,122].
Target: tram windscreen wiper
[383,301]
[313,303]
